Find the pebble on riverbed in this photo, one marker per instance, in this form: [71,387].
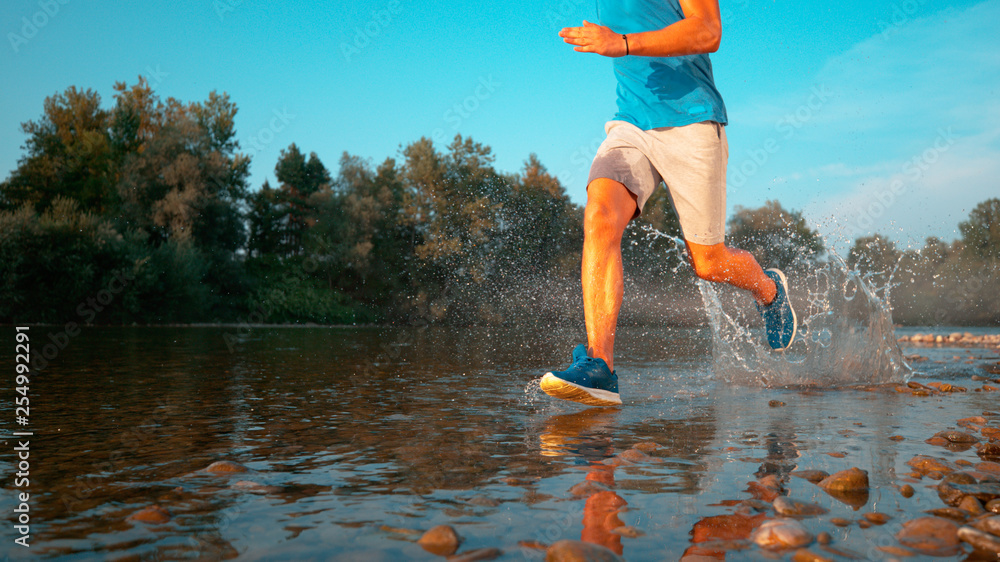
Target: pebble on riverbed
[441,540]
[579,551]
[930,535]
[781,534]
[225,467]
[963,339]
[984,542]
[789,507]
[847,486]
[152,514]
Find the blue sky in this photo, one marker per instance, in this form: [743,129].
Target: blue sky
[866,116]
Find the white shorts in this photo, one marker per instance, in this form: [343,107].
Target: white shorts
[690,160]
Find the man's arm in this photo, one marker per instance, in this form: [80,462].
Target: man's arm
[699,32]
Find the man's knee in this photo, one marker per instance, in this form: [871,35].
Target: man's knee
[610,206]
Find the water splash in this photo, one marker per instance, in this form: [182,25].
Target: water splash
[845,334]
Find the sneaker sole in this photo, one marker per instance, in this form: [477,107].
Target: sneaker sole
[795,320]
[558,388]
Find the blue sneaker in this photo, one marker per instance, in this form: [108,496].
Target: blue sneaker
[779,318]
[587,381]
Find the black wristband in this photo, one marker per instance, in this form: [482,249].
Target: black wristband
[625,37]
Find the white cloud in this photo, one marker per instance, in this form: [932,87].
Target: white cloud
[876,148]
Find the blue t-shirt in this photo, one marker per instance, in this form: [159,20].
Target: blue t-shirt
[659,91]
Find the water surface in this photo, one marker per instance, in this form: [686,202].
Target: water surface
[353,436]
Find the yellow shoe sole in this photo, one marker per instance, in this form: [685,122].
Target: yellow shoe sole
[558,388]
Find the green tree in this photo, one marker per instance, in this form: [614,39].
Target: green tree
[266,219]
[67,154]
[875,257]
[981,233]
[300,179]
[776,237]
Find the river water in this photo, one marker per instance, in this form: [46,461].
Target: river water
[355,439]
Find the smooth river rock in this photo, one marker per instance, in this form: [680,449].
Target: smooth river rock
[850,480]
[781,534]
[476,555]
[152,514]
[789,507]
[930,535]
[441,540]
[984,542]
[225,467]
[579,551]
[814,476]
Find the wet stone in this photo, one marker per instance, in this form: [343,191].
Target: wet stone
[813,476]
[923,465]
[896,551]
[851,480]
[477,554]
[983,542]
[225,467]
[989,451]
[254,487]
[781,534]
[824,538]
[897,438]
[864,523]
[957,437]
[635,455]
[756,505]
[647,446]
[484,501]
[793,508]
[971,505]
[806,555]
[906,490]
[152,514]
[989,525]
[775,403]
[877,518]
[579,551]
[953,513]
[929,535]
[993,506]
[536,545]
[441,540]
[840,521]
[982,492]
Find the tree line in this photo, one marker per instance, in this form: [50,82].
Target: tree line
[143,213]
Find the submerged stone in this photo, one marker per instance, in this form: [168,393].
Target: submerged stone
[477,554]
[906,490]
[225,467]
[805,555]
[441,540]
[930,535]
[152,514]
[924,464]
[877,518]
[813,476]
[989,451]
[579,551]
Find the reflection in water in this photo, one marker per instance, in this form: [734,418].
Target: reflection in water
[355,440]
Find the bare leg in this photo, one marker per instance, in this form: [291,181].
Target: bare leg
[736,267]
[610,206]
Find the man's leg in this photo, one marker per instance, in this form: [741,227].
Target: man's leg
[736,267]
[610,206]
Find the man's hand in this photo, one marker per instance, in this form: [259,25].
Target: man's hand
[593,38]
